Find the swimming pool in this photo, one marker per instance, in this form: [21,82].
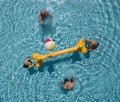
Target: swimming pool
[97,74]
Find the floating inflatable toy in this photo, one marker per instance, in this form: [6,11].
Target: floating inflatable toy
[49,44]
[80,46]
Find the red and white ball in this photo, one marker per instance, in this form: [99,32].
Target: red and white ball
[49,44]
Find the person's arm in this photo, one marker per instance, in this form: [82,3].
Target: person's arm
[89,41]
[72,79]
[50,16]
[32,65]
[40,18]
[28,58]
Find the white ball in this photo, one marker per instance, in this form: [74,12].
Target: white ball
[49,44]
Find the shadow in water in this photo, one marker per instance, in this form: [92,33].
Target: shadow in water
[87,55]
[47,29]
[76,57]
[32,71]
[50,64]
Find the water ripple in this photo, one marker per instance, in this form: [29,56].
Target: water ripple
[97,74]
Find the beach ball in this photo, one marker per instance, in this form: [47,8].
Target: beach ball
[49,44]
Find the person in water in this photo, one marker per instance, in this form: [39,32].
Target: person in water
[28,63]
[91,44]
[43,14]
[68,84]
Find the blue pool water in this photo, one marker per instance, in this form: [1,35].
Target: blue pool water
[97,74]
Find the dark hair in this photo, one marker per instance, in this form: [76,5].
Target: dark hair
[25,66]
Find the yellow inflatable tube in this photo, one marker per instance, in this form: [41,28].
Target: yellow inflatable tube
[80,46]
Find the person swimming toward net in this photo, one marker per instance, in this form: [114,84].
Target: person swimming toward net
[43,15]
[91,44]
[28,63]
[67,84]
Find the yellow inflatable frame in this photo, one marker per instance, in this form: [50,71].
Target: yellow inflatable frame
[80,46]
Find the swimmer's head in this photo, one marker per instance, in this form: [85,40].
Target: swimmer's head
[42,12]
[26,64]
[69,88]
